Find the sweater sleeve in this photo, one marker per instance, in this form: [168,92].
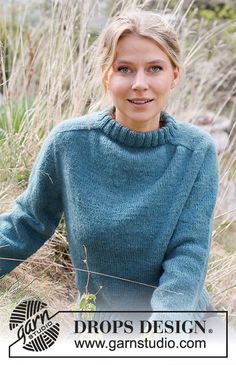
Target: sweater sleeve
[36,212]
[186,260]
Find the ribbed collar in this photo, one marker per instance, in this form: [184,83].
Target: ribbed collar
[131,138]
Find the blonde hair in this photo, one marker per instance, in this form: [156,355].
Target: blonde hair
[141,22]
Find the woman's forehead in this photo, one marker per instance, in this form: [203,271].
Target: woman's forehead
[131,45]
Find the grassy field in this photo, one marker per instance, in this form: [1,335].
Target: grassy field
[47,68]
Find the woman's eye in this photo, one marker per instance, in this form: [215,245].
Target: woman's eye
[156,68]
[123,69]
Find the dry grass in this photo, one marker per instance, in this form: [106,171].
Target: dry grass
[53,70]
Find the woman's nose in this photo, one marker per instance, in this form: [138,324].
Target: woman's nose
[140,81]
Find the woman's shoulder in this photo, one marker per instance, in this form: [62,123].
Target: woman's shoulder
[84,122]
[194,137]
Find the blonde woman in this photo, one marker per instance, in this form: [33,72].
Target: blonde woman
[137,188]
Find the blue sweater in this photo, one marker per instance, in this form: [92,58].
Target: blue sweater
[140,202]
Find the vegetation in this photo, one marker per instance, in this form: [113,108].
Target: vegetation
[47,65]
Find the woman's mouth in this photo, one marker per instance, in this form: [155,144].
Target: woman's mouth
[140,102]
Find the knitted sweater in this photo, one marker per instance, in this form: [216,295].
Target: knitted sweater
[141,203]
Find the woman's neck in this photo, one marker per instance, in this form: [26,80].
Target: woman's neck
[138,126]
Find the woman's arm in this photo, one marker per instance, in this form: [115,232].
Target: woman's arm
[36,213]
[186,259]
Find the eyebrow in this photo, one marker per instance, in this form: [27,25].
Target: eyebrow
[131,63]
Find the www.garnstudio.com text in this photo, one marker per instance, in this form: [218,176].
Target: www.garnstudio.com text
[162,343]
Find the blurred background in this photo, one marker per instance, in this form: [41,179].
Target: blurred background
[47,74]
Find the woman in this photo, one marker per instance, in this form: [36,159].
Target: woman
[137,188]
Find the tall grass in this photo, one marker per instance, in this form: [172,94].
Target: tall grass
[51,77]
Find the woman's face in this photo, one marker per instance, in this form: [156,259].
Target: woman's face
[140,81]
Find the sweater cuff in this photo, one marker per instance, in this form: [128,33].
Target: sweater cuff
[202,306]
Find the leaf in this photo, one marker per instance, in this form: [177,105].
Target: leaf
[92,297]
[83,304]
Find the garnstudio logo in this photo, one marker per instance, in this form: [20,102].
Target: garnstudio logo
[34,325]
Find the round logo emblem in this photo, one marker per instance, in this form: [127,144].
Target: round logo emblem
[34,325]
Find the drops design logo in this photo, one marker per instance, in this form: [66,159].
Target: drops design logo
[34,325]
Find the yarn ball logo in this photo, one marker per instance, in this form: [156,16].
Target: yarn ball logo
[34,326]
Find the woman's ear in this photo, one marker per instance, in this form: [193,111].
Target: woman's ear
[107,78]
[106,81]
[107,84]
[176,75]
